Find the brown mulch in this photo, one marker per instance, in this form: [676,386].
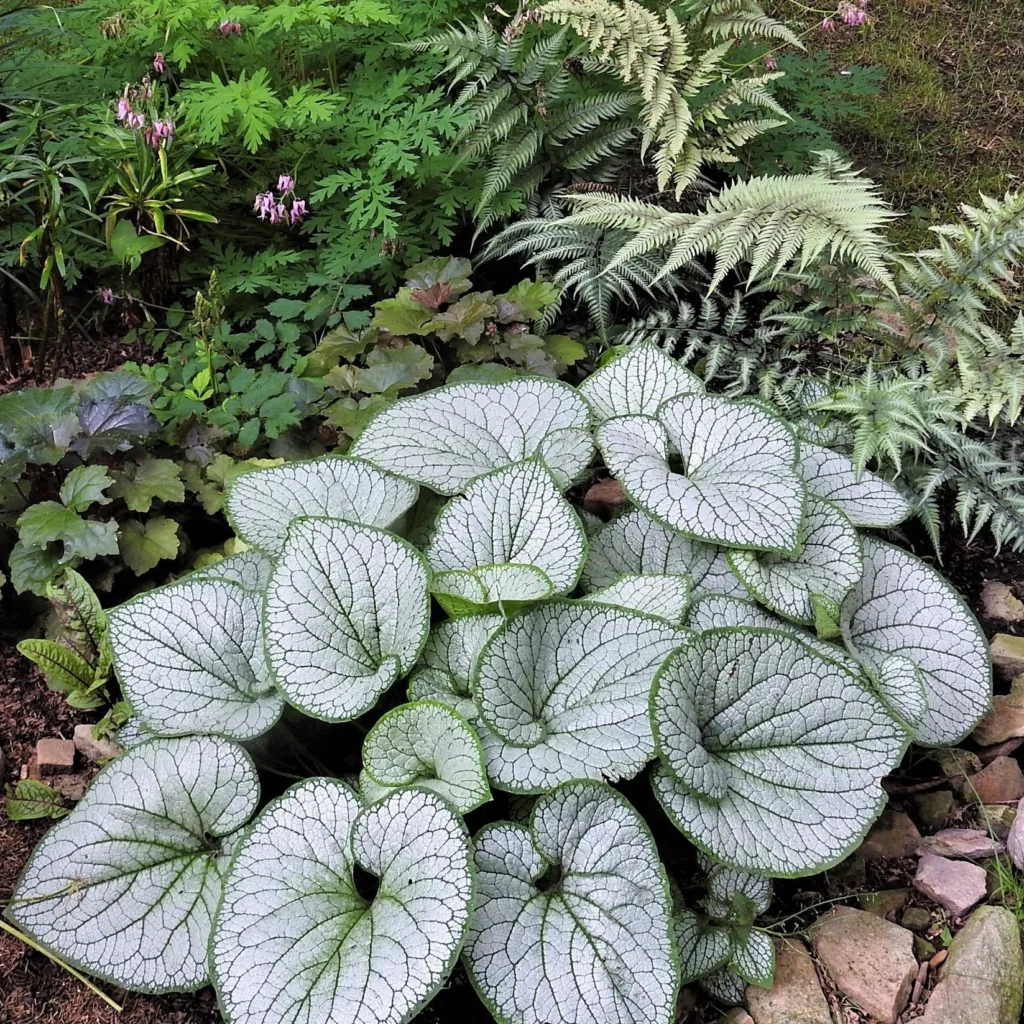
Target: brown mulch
[34,990]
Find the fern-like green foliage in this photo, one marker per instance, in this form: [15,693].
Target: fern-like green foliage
[566,91]
[691,93]
[766,223]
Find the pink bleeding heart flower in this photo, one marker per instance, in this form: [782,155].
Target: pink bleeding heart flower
[159,64]
[299,210]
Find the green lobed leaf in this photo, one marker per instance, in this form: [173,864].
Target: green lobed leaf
[140,483]
[50,522]
[126,885]
[144,545]
[84,487]
[30,800]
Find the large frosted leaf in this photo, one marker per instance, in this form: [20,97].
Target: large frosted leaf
[347,613]
[448,437]
[563,688]
[865,499]
[717,610]
[738,487]
[515,516]
[772,756]
[664,597]
[572,915]
[126,886]
[753,958]
[638,382]
[901,684]
[901,606]
[430,745]
[828,565]
[261,504]
[294,941]
[726,986]
[446,667]
[636,544]
[250,570]
[189,657]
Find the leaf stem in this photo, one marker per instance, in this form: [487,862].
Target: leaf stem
[22,937]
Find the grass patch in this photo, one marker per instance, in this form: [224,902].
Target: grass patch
[949,120]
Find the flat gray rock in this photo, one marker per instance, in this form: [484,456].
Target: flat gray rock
[953,884]
[870,960]
[982,981]
[795,997]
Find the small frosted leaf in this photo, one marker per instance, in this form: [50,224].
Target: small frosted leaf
[638,382]
[865,499]
[448,437]
[900,683]
[828,565]
[739,487]
[429,745]
[798,740]
[295,942]
[347,613]
[663,596]
[703,947]
[261,504]
[729,888]
[635,544]
[445,670]
[726,986]
[250,570]
[515,516]
[189,657]
[489,588]
[901,606]
[753,958]
[126,886]
[595,946]
[563,689]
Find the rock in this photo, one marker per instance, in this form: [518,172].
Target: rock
[982,981]
[795,997]
[881,904]
[895,835]
[93,749]
[55,757]
[998,602]
[1006,719]
[871,961]
[1008,654]
[1015,839]
[998,819]
[953,884]
[604,498]
[934,808]
[1004,749]
[917,919]
[737,1015]
[955,762]
[966,843]
[72,787]
[1001,782]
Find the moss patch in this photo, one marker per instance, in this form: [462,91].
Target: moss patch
[949,121]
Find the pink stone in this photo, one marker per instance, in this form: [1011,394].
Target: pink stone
[953,884]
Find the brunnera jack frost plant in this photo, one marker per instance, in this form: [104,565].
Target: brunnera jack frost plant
[738,636]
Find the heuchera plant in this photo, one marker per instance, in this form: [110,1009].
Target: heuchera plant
[736,631]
